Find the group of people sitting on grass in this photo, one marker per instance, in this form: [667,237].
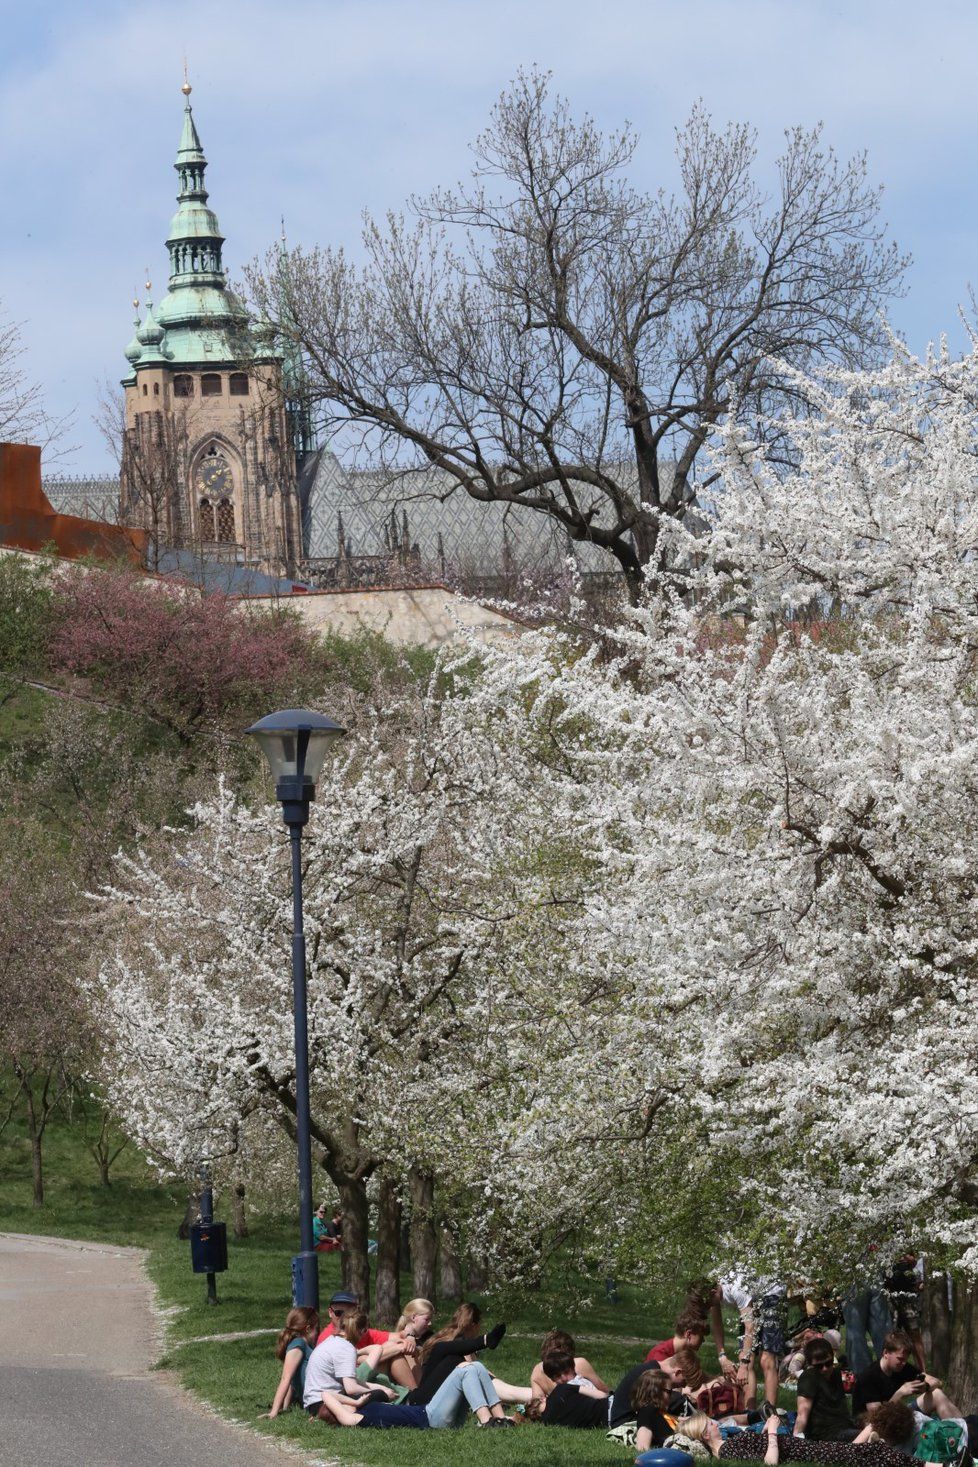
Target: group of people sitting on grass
[350,1375]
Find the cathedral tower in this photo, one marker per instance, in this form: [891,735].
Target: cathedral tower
[207,459]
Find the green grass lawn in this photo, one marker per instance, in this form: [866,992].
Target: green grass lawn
[238,1377]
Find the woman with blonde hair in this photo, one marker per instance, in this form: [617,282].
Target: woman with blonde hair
[293,1347]
[457,1343]
[415,1321]
[700,1436]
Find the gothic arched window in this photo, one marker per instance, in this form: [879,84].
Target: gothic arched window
[215,484]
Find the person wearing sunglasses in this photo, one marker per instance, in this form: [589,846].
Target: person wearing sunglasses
[392,1350]
[823,1406]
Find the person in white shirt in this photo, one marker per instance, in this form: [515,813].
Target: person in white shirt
[332,1366]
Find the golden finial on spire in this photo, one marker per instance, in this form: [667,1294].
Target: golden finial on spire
[148,283]
[186,89]
[135,298]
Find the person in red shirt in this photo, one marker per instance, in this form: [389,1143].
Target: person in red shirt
[690,1334]
[396,1349]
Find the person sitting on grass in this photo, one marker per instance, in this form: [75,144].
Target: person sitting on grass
[559,1342]
[935,1426]
[689,1334]
[332,1366]
[895,1375]
[794,1362]
[701,1436]
[650,1408]
[415,1321]
[412,1330]
[823,1406]
[397,1352]
[294,1347]
[467,1388]
[327,1235]
[458,1341]
[572,1401]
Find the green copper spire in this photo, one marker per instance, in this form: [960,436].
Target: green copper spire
[195,236]
[202,319]
[199,322]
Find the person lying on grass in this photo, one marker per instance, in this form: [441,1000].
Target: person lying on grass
[679,1397]
[573,1401]
[559,1342]
[468,1388]
[294,1346]
[918,1433]
[700,1436]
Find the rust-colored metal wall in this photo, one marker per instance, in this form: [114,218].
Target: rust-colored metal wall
[28,520]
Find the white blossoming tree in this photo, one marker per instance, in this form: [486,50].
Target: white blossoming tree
[589,930]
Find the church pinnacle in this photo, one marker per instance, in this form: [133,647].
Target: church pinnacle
[202,319]
[195,237]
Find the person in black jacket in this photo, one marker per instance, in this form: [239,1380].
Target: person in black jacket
[457,1342]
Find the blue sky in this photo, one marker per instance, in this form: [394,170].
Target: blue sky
[317,109]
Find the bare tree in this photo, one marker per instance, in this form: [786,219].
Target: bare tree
[151,455]
[42,1025]
[548,336]
[23,418]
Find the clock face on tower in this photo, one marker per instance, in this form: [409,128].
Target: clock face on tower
[215,475]
[215,486]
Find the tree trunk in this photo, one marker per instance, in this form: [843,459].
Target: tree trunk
[37,1170]
[103,1171]
[240,1217]
[424,1244]
[450,1268]
[962,1368]
[356,1263]
[936,1320]
[36,1131]
[387,1282]
[475,1275]
[189,1217]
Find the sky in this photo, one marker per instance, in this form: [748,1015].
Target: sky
[316,110]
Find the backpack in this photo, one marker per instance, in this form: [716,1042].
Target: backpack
[940,1441]
[720,1398]
[624,1434]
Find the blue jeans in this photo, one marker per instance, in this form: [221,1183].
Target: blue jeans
[467,1388]
[865,1310]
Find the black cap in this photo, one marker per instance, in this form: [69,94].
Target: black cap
[344,1298]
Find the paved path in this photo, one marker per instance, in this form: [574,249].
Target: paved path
[77,1338]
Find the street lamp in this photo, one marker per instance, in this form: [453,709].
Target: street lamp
[295,742]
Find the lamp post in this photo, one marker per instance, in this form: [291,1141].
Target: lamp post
[295,742]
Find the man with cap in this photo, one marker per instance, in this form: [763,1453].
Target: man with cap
[394,1348]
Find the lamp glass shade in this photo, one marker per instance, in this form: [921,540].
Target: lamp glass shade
[295,742]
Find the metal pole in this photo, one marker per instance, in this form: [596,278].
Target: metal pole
[305,1267]
[206,1209]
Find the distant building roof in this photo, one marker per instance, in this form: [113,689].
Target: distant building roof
[424,510]
[94,498]
[225,577]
